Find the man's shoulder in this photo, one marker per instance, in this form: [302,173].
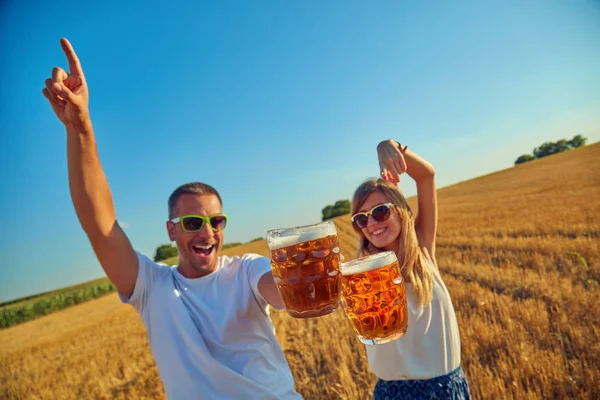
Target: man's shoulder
[157,267]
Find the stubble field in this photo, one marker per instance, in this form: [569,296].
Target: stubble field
[518,249]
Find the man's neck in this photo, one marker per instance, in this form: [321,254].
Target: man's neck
[192,273]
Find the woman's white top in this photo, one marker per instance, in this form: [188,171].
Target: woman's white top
[431,345]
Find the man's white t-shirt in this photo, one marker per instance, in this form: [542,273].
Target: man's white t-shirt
[212,337]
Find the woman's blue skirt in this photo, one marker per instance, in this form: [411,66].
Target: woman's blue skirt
[452,386]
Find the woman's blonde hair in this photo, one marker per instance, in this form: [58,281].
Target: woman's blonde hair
[410,256]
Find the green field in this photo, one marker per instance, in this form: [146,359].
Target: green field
[24,309]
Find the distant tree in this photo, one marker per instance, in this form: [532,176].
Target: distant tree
[577,141]
[544,150]
[165,251]
[524,158]
[256,239]
[326,212]
[340,207]
[549,148]
[559,146]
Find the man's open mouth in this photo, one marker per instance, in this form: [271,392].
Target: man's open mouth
[203,250]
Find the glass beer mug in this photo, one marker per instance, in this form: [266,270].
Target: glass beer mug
[306,267]
[374,297]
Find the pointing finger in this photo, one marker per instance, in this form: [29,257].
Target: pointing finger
[74,64]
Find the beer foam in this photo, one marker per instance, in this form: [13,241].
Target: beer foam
[367,263]
[278,238]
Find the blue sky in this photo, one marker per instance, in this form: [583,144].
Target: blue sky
[279,105]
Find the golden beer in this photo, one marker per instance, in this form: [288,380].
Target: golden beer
[306,267]
[374,298]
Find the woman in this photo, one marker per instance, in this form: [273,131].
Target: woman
[425,362]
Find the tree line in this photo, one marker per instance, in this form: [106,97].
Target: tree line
[340,207]
[549,148]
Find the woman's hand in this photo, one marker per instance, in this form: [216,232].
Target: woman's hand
[391,161]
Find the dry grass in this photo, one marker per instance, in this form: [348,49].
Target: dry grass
[520,254]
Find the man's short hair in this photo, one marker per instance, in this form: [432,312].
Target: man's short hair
[197,188]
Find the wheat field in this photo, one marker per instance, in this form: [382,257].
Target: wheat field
[518,249]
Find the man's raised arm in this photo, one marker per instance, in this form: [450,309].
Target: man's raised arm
[68,96]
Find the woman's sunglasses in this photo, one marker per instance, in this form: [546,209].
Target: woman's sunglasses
[380,213]
[193,223]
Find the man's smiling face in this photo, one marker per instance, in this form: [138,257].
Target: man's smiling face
[198,251]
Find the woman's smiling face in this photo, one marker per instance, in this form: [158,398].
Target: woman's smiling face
[382,234]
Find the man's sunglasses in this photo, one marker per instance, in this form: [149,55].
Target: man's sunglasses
[380,213]
[193,223]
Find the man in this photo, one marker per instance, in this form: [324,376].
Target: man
[207,320]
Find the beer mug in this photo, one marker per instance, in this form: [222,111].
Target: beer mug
[306,267]
[374,297]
